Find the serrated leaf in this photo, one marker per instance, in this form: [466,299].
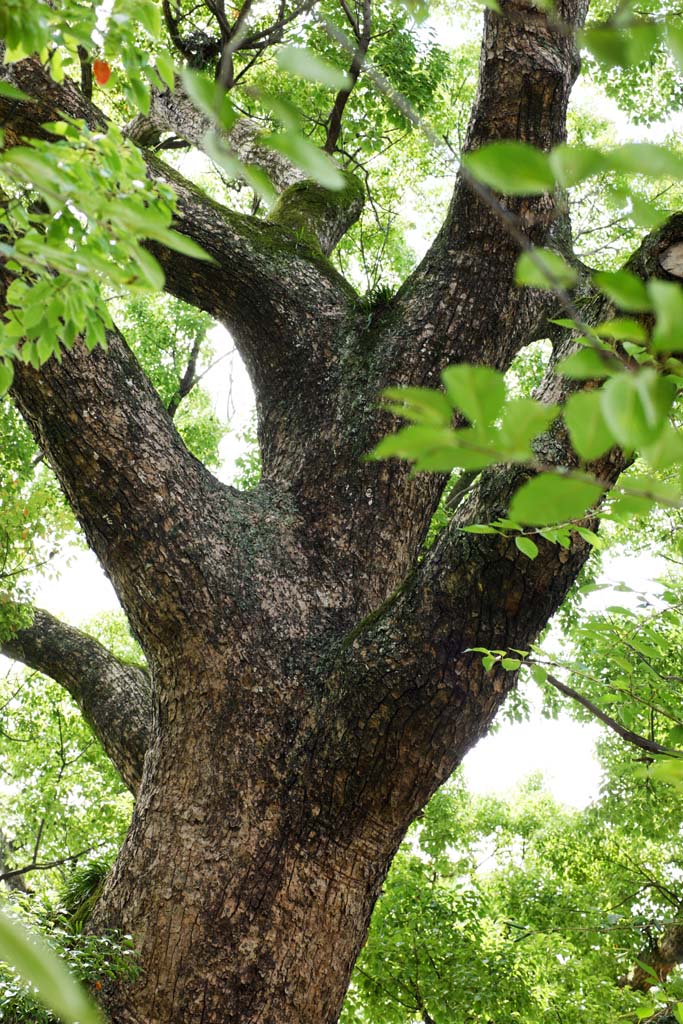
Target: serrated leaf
[549,498]
[589,434]
[512,168]
[542,268]
[477,391]
[299,60]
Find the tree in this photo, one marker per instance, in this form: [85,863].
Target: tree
[309,679]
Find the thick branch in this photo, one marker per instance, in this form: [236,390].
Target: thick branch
[526,71]
[461,305]
[262,281]
[114,697]
[325,217]
[127,475]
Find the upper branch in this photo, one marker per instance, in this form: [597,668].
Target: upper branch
[412,660]
[131,482]
[262,282]
[303,205]
[113,696]
[462,300]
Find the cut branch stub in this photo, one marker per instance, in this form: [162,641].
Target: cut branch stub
[320,216]
[672,260]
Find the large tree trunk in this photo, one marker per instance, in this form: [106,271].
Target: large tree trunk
[311,683]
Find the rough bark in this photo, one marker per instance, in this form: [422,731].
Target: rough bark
[325,219]
[311,676]
[114,697]
[661,957]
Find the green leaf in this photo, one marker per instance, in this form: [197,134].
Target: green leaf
[621,46]
[527,546]
[549,498]
[666,450]
[523,420]
[149,268]
[588,364]
[589,434]
[636,406]
[511,664]
[477,528]
[209,97]
[40,968]
[422,405]
[185,245]
[621,329]
[573,164]
[646,158]
[624,289]
[667,300]
[298,60]
[669,770]
[589,535]
[6,375]
[512,168]
[317,165]
[166,68]
[542,268]
[477,391]
[11,92]
[538,674]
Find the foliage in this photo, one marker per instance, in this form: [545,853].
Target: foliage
[512,910]
[38,986]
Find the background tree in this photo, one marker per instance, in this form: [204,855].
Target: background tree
[308,679]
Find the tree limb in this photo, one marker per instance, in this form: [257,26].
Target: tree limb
[303,205]
[626,734]
[114,697]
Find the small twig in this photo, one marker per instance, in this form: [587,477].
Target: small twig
[631,737]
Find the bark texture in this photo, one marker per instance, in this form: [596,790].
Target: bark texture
[114,697]
[311,681]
